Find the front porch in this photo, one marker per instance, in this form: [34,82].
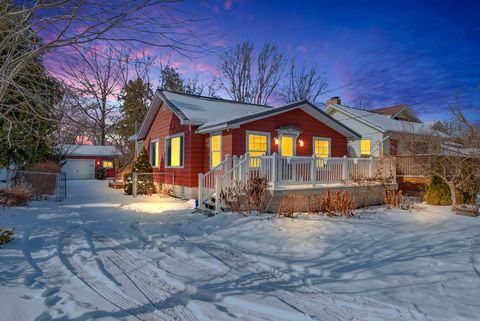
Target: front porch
[294,174]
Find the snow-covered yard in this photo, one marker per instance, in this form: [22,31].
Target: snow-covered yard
[101,255]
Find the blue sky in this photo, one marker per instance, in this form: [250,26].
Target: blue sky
[374,53]
[379,53]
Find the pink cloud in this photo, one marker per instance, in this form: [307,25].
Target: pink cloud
[228,4]
[302,49]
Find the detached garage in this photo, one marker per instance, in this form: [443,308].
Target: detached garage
[82,161]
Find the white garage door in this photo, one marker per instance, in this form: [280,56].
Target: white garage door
[79,168]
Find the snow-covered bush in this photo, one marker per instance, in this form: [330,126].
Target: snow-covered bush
[6,235]
[144,179]
[100,173]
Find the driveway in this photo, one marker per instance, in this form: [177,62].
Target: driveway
[102,255]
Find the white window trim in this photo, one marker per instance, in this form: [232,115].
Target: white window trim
[254,132]
[183,150]
[221,146]
[156,151]
[360,147]
[322,139]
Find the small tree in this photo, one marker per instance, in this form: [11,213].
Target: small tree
[144,179]
[454,156]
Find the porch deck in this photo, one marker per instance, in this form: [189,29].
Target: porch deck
[294,174]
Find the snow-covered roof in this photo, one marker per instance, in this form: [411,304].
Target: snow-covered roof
[383,123]
[88,150]
[196,110]
[216,114]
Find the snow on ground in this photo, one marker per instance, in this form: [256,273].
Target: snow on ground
[101,255]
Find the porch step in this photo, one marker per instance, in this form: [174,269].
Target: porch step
[210,205]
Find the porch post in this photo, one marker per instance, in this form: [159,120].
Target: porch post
[134,184]
[200,189]
[370,167]
[235,162]
[274,170]
[228,166]
[345,169]
[218,181]
[313,170]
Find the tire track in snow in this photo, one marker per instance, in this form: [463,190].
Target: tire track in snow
[143,312]
[306,298]
[157,292]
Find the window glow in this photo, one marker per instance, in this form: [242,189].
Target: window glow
[175,155]
[365,147]
[215,150]
[287,145]
[257,146]
[107,164]
[322,150]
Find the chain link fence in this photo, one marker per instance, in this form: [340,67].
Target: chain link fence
[43,185]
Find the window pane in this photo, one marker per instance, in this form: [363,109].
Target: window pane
[175,145]
[322,148]
[216,143]
[154,153]
[365,147]
[287,145]
[107,164]
[216,159]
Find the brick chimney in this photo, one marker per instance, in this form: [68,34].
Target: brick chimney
[333,101]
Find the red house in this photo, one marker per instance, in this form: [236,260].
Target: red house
[188,135]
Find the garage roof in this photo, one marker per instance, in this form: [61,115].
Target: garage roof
[88,150]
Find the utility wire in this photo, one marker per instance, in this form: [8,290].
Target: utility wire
[419,55]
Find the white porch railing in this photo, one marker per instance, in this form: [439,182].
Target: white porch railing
[298,171]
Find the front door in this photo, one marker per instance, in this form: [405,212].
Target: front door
[287,147]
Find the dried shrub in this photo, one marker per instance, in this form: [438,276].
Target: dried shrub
[40,185]
[245,197]
[18,195]
[314,204]
[164,190]
[6,235]
[290,205]
[46,167]
[337,204]
[392,198]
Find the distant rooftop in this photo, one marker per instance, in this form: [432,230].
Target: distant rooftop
[88,150]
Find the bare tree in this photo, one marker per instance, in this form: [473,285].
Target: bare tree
[95,80]
[249,77]
[36,28]
[454,153]
[303,83]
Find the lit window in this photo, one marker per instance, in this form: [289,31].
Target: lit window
[257,146]
[215,150]
[154,153]
[107,164]
[365,147]
[321,150]
[287,145]
[174,146]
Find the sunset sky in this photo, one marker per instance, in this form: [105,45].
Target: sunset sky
[374,53]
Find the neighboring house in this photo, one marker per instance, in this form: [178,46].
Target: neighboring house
[392,130]
[82,161]
[189,135]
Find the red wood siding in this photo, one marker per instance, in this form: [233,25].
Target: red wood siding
[166,123]
[98,163]
[197,147]
[236,143]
